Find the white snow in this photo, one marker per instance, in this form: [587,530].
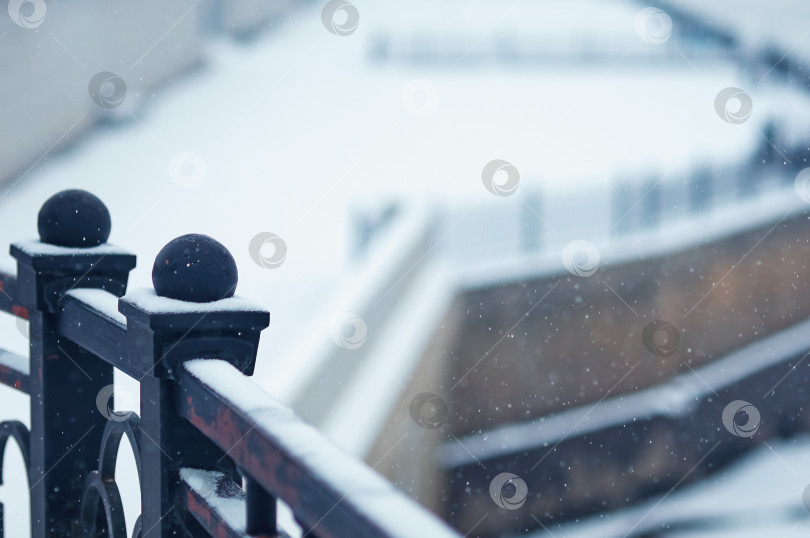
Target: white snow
[270,169]
[391,257]
[36,247]
[351,422]
[101,301]
[231,509]
[146,299]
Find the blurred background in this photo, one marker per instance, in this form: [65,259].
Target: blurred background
[540,263]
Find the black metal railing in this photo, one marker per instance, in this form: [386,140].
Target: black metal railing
[214,452]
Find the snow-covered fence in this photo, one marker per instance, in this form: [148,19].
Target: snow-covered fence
[767,38]
[204,429]
[555,32]
[519,230]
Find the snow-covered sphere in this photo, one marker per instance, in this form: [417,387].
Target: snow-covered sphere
[74,218]
[194,267]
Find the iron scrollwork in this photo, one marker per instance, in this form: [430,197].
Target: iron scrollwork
[16,430]
[100,486]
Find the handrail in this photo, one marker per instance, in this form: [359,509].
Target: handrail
[93,328]
[8,296]
[14,370]
[292,460]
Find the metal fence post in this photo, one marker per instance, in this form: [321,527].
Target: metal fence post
[65,379]
[193,317]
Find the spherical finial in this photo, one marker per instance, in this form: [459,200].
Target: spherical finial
[195,268]
[74,218]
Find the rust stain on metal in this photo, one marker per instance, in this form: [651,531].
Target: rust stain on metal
[229,432]
[225,422]
[11,377]
[194,418]
[203,514]
[222,427]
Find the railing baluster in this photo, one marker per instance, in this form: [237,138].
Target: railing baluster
[166,442]
[64,434]
[261,509]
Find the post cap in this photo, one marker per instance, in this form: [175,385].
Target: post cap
[74,218]
[196,268]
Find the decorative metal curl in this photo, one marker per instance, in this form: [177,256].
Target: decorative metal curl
[111,439]
[100,484]
[96,489]
[21,435]
[137,530]
[17,430]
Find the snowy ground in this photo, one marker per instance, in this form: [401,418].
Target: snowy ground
[299,125]
[296,126]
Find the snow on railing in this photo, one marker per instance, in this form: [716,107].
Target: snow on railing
[204,427]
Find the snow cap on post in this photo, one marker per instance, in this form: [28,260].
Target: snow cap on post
[192,312]
[194,268]
[72,252]
[74,218]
